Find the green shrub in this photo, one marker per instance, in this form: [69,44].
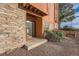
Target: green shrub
[54,35]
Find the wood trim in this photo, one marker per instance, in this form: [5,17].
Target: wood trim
[29,12]
[33,9]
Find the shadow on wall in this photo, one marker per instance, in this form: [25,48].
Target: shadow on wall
[20,5]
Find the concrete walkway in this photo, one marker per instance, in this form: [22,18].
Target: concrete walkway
[34,42]
[68,47]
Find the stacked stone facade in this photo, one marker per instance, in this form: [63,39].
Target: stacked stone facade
[12,27]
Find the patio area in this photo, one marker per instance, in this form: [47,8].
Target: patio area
[68,47]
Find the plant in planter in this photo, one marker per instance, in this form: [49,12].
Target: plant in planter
[54,36]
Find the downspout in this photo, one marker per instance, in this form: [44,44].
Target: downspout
[58,17]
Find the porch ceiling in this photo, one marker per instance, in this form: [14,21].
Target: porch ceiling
[33,9]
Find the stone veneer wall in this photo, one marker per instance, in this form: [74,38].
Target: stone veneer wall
[12,27]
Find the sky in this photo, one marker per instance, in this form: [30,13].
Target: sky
[75,22]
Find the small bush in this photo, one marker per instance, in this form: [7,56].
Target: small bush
[54,35]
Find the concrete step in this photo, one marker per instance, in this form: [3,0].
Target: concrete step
[34,42]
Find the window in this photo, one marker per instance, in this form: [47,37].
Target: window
[46,25]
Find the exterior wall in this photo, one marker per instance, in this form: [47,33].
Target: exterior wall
[50,18]
[12,27]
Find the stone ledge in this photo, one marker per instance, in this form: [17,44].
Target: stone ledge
[34,42]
